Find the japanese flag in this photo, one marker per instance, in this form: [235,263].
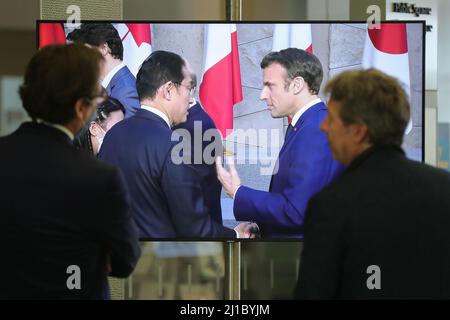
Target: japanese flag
[386,49]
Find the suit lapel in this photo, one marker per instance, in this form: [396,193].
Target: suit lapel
[296,130]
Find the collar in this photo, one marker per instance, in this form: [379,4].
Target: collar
[158,113]
[111,74]
[303,110]
[57,126]
[193,103]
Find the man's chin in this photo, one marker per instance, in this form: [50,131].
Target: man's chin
[275,115]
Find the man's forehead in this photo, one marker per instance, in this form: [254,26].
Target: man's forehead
[187,73]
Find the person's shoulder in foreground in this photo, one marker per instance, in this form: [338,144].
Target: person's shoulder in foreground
[66,224]
[379,230]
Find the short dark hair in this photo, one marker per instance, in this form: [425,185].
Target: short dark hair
[96,34]
[75,36]
[373,98]
[82,140]
[298,63]
[56,77]
[159,68]
[106,108]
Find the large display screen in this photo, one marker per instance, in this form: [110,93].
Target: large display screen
[229,117]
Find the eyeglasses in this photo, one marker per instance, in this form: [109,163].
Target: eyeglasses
[190,88]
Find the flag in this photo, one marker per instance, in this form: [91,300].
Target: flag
[292,36]
[221,87]
[51,33]
[136,40]
[386,49]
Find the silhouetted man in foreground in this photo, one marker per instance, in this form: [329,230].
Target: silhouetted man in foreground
[64,217]
[381,230]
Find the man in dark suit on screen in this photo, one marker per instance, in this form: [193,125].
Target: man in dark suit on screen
[166,195]
[381,230]
[65,219]
[199,125]
[117,79]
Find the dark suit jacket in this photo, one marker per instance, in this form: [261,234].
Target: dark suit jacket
[166,198]
[123,87]
[305,166]
[60,207]
[385,210]
[206,172]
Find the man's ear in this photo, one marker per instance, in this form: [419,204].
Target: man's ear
[93,129]
[298,84]
[82,110]
[360,132]
[166,90]
[104,49]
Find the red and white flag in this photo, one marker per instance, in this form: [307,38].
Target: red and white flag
[286,35]
[292,36]
[221,86]
[51,33]
[136,40]
[386,49]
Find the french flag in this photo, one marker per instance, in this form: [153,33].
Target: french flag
[137,44]
[221,87]
[292,36]
[386,49]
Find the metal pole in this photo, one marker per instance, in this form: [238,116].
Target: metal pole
[234,10]
[233,271]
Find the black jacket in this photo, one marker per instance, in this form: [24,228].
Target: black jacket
[385,211]
[60,207]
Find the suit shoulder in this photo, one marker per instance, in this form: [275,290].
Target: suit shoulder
[125,76]
[90,163]
[138,130]
[430,173]
[317,115]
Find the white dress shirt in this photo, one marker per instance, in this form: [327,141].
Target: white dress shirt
[159,113]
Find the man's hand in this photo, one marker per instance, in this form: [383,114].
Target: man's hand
[229,179]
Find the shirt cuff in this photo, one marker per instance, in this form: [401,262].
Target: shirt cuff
[234,195]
